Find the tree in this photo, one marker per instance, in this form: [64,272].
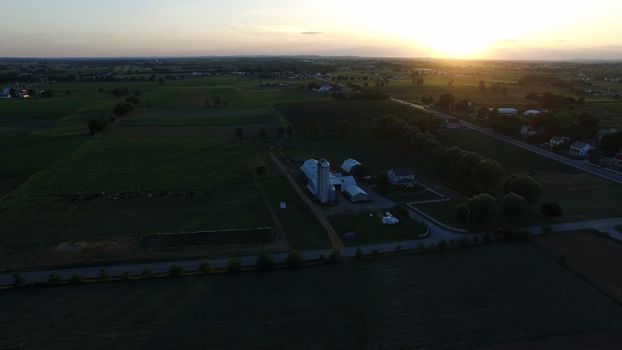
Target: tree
[482,208]
[217,100]
[461,213]
[103,274]
[289,130]
[446,101]
[18,279]
[468,161]
[134,100]
[175,271]
[260,170]
[514,207]
[344,128]
[551,209]
[265,262]
[581,101]
[239,132]
[294,259]
[335,256]
[96,126]
[262,132]
[122,108]
[588,121]
[524,186]
[234,265]
[281,131]
[612,143]
[482,85]
[160,81]
[487,173]
[208,103]
[382,182]
[205,266]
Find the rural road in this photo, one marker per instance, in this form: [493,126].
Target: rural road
[437,234]
[578,164]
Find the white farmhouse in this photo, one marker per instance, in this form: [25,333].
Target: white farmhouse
[510,112]
[402,177]
[580,149]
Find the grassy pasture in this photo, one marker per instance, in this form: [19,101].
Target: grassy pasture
[582,196]
[456,299]
[214,116]
[217,173]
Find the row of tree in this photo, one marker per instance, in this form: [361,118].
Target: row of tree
[121,109]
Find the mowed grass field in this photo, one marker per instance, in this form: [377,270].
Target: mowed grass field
[581,195]
[455,299]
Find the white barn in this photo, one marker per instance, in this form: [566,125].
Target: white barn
[355,193]
[319,181]
[348,164]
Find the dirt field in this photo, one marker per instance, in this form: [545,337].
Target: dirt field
[9,183]
[594,257]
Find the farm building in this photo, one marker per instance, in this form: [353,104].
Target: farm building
[348,164]
[580,149]
[510,112]
[453,123]
[318,177]
[5,93]
[531,112]
[528,131]
[402,177]
[604,132]
[325,89]
[558,140]
[355,194]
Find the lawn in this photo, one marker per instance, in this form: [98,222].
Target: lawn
[370,230]
[582,196]
[456,299]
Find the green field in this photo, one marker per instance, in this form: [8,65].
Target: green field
[216,116]
[370,230]
[457,299]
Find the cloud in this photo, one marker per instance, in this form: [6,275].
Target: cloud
[311,33]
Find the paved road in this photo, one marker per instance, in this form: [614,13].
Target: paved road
[578,164]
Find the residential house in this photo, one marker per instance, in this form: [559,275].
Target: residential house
[604,132]
[453,123]
[557,141]
[580,149]
[510,112]
[325,89]
[531,112]
[528,131]
[402,177]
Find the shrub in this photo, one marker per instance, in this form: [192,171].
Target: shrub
[147,273]
[103,274]
[265,262]
[54,278]
[77,278]
[205,266]
[18,280]
[294,259]
[175,271]
[234,265]
[335,256]
[126,275]
[358,255]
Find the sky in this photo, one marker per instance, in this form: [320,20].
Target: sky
[477,29]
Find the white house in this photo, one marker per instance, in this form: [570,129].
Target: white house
[5,93]
[604,132]
[528,131]
[580,149]
[318,176]
[348,164]
[531,112]
[453,123]
[325,89]
[511,112]
[558,140]
[402,177]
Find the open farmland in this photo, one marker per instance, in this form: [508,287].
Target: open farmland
[456,299]
[589,254]
[370,230]
[583,196]
[217,116]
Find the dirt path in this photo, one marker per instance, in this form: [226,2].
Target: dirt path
[334,237]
